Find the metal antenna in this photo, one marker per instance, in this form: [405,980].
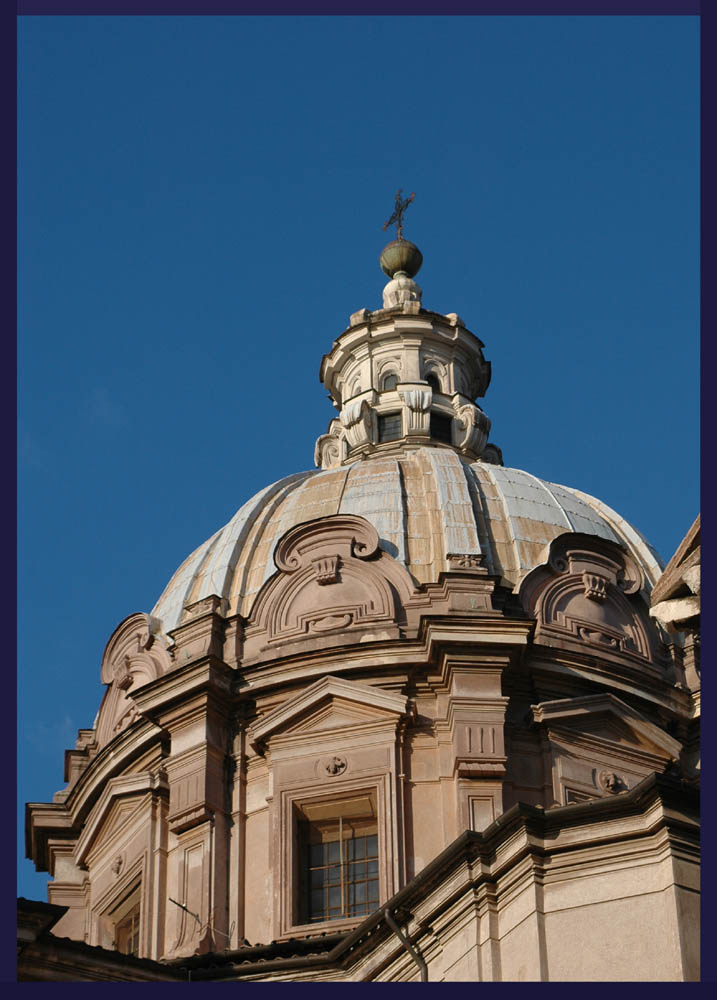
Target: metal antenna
[186,910]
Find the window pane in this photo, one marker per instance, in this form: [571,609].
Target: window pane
[390,427]
[441,428]
[339,879]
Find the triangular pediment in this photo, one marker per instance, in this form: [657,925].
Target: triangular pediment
[331,703]
[120,799]
[605,717]
[119,816]
[335,713]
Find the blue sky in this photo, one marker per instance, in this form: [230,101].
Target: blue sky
[200,209]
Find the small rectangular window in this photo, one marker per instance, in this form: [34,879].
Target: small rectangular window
[441,428]
[390,427]
[340,869]
[126,921]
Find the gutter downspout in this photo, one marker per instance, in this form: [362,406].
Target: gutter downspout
[407,945]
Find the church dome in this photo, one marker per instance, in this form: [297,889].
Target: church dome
[409,452]
[426,505]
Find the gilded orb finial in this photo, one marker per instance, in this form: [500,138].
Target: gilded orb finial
[400,256]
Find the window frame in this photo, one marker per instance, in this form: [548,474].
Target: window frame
[384,379]
[432,377]
[326,834]
[384,416]
[296,805]
[129,903]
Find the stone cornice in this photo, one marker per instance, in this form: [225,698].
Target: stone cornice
[45,821]
[567,709]
[659,691]
[508,637]
[110,761]
[205,676]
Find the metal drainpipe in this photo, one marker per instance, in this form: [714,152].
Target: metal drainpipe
[423,968]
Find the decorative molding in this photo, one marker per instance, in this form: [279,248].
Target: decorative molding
[332,577]
[335,766]
[586,597]
[357,421]
[133,657]
[611,782]
[474,427]
[330,448]
[326,569]
[128,650]
[466,562]
[417,405]
[595,586]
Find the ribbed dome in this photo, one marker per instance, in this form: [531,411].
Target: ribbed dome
[425,505]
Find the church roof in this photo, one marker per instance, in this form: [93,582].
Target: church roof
[426,504]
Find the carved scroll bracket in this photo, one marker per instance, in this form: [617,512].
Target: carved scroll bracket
[353,536]
[474,427]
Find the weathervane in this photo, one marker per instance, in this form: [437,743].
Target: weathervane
[398,212]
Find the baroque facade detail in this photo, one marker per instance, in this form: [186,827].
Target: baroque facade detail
[408,715]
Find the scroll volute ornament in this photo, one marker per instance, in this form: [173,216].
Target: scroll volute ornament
[474,427]
[330,448]
[332,579]
[588,595]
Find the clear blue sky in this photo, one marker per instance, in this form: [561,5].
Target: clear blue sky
[201,204]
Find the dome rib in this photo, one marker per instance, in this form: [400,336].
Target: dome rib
[168,609]
[376,492]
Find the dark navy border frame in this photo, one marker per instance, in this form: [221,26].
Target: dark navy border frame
[8,397]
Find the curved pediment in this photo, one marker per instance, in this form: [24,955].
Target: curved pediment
[587,598]
[333,585]
[134,656]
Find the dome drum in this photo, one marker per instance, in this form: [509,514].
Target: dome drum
[409,346]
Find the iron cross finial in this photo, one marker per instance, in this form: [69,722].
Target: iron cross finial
[398,212]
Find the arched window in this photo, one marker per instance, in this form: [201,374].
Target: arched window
[433,381]
[389,382]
